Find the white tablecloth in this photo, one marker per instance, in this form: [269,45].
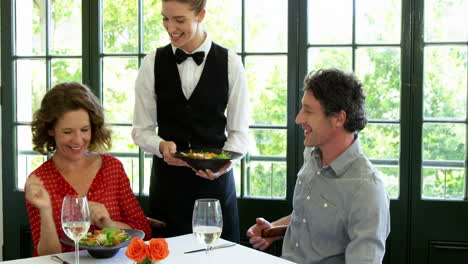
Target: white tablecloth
[237,254]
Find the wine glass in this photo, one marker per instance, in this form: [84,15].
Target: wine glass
[207,221]
[75,219]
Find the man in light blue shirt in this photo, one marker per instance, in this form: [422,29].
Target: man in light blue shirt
[340,206]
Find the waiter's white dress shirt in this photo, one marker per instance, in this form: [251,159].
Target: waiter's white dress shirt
[145,113]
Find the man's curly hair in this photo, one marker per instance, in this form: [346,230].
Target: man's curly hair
[336,91]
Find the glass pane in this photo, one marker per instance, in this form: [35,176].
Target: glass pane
[122,143]
[26,165]
[444,142]
[154,34]
[267,82]
[147,172]
[330,21]
[378,21]
[391,179]
[381,141]
[443,183]
[65,27]
[268,142]
[122,140]
[24,138]
[66,70]
[31,87]
[119,79]
[120,26]
[446,20]
[28,161]
[445,82]
[223,21]
[321,58]
[266,31]
[131,168]
[267,179]
[30,27]
[237,178]
[379,70]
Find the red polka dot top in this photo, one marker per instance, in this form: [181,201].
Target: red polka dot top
[110,186]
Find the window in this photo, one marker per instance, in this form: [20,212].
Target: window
[49,51]
[368,44]
[445,85]
[54,44]
[266,66]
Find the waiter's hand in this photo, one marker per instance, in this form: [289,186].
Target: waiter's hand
[209,175]
[167,149]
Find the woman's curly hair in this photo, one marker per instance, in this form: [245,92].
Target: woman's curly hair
[64,97]
[336,91]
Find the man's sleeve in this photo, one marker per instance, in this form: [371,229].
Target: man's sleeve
[368,224]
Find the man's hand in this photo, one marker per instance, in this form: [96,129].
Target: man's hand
[209,175]
[167,149]
[255,234]
[155,223]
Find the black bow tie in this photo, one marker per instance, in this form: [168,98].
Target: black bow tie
[198,57]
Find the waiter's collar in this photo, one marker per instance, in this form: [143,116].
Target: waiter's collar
[205,46]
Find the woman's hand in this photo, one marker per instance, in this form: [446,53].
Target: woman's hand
[100,217]
[37,194]
[167,149]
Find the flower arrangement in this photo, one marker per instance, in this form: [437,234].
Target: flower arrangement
[155,251]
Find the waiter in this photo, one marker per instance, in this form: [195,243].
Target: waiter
[194,92]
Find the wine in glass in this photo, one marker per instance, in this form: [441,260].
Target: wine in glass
[207,221]
[75,219]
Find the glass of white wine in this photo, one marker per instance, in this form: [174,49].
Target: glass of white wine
[75,219]
[207,221]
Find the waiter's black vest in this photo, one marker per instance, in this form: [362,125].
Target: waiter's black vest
[198,122]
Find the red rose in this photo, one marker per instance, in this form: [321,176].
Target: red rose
[137,250]
[158,249]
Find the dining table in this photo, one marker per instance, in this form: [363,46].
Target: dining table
[237,254]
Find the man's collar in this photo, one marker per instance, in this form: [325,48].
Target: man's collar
[342,163]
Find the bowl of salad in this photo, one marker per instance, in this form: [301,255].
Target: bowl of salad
[105,243]
[207,159]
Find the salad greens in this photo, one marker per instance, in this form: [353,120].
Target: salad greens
[206,155]
[108,236]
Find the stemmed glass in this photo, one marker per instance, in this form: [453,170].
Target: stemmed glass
[75,219]
[207,221]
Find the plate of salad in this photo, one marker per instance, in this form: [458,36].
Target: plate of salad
[209,158]
[105,243]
